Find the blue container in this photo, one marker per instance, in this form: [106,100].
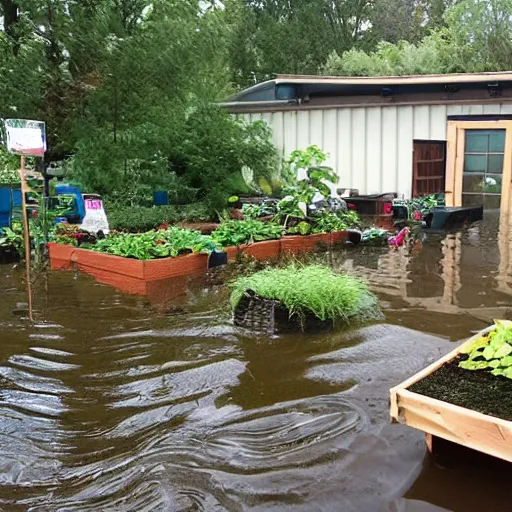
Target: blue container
[16,198]
[70,190]
[161,198]
[5,207]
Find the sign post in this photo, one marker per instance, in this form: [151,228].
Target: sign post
[26,138]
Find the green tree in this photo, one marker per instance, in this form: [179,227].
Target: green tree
[476,36]
[291,36]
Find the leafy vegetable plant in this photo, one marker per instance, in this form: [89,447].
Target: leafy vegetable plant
[238,232]
[162,243]
[492,351]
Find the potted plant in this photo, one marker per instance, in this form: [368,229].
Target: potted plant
[303,298]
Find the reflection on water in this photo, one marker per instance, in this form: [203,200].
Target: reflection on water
[462,279]
[111,402]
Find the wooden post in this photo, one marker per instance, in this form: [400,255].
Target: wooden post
[26,235]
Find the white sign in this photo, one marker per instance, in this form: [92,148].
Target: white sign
[95,218]
[25,137]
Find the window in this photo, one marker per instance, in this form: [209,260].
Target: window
[483,168]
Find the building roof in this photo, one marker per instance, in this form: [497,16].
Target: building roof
[314,91]
[396,80]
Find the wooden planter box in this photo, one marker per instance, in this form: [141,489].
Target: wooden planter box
[460,425]
[126,274]
[267,250]
[339,237]
[307,243]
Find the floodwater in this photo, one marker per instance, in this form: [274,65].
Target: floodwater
[110,402]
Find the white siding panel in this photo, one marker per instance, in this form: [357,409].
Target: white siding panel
[267,117]
[290,132]
[373,150]
[454,110]
[473,110]
[344,164]
[369,147]
[303,127]
[358,170]
[403,183]
[492,109]
[330,139]
[437,122]
[277,125]
[389,149]
[255,117]
[316,128]
[421,122]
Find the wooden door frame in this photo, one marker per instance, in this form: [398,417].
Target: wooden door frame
[455,146]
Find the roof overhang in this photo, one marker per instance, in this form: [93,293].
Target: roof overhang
[307,92]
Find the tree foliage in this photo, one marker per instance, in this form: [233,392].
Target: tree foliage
[476,35]
[126,88]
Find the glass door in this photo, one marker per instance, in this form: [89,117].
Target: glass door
[483,168]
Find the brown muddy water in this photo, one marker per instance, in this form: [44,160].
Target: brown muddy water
[112,403]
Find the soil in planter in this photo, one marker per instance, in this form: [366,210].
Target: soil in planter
[477,390]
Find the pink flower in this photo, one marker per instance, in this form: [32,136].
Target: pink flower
[388,209]
[417,215]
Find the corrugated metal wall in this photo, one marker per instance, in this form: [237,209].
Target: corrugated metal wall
[369,147]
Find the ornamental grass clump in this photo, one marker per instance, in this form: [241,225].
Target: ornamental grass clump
[311,289]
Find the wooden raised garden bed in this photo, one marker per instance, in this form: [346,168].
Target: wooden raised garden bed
[126,274]
[437,418]
[301,244]
[273,249]
[132,276]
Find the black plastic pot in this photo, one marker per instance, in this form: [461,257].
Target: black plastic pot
[271,316]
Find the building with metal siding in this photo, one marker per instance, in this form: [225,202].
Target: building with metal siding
[369,125]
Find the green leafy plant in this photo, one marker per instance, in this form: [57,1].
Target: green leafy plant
[238,232]
[309,160]
[374,236]
[418,207]
[156,244]
[328,222]
[311,289]
[254,211]
[12,238]
[302,228]
[492,351]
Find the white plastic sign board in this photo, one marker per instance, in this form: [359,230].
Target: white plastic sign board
[24,137]
[95,218]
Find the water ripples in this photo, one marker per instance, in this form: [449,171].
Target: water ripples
[108,406]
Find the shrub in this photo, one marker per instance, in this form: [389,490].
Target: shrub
[311,289]
[138,219]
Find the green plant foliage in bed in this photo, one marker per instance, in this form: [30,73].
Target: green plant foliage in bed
[163,243]
[239,232]
[312,289]
[492,351]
